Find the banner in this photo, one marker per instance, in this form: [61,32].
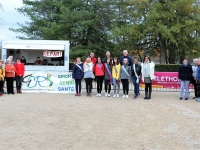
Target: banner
[55,82]
[52,53]
[166,80]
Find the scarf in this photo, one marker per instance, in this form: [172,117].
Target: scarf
[146,69]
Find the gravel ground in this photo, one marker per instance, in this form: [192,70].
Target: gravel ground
[65,122]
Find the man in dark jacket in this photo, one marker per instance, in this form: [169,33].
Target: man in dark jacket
[136,72]
[185,75]
[125,55]
[107,57]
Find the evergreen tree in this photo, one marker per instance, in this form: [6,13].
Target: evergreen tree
[160,25]
[86,24]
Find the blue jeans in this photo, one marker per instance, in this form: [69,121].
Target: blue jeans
[116,86]
[18,82]
[185,85]
[136,85]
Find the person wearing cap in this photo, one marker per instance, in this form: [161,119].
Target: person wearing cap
[10,58]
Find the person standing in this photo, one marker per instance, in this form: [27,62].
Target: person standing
[148,68]
[125,55]
[107,57]
[23,60]
[77,75]
[136,73]
[108,77]
[194,74]
[99,74]
[10,74]
[2,78]
[4,67]
[88,75]
[125,76]
[185,75]
[198,81]
[116,76]
[19,73]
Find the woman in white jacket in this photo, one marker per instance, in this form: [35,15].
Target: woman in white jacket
[148,68]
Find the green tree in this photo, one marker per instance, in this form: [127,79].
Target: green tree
[162,25]
[86,24]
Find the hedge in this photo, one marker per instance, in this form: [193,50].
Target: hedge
[158,67]
[167,68]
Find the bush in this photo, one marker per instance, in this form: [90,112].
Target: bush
[71,65]
[167,68]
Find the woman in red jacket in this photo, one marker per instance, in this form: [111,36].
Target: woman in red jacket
[99,74]
[19,73]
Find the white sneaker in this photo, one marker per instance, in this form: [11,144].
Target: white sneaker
[114,95]
[99,94]
[117,95]
[123,96]
[126,96]
[108,95]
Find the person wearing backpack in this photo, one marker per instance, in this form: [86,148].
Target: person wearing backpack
[116,76]
[125,76]
[108,77]
[136,73]
[148,68]
[99,74]
[77,75]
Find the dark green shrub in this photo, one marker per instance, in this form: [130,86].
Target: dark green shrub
[167,67]
[71,65]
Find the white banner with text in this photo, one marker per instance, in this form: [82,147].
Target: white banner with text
[53,82]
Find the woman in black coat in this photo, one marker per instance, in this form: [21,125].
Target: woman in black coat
[185,75]
[77,75]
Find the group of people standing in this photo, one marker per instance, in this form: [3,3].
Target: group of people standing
[8,71]
[190,74]
[112,71]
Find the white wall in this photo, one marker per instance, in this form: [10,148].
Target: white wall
[31,55]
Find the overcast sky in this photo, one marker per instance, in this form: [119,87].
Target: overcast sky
[10,17]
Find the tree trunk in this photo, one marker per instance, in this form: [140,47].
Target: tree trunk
[182,56]
[162,51]
[172,54]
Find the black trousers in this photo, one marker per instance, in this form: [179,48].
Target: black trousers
[9,84]
[1,87]
[107,86]
[195,87]
[78,85]
[88,82]
[99,80]
[18,82]
[125,86]
[148,87]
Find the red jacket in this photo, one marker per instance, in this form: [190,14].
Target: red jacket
[10,70]
[99,69]
[19,69]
